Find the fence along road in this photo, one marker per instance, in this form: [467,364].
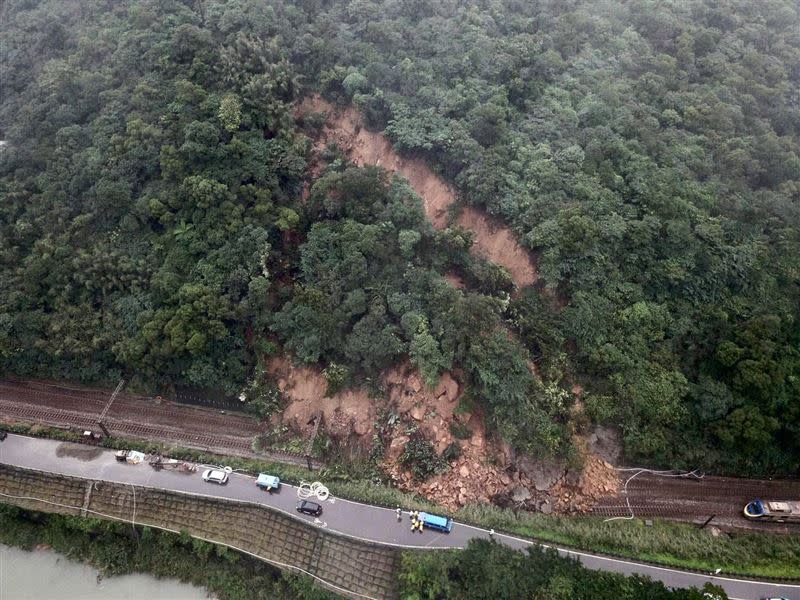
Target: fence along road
[344,517]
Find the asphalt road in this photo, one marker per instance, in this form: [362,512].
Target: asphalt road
[345,517]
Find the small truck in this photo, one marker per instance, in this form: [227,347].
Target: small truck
[270,483]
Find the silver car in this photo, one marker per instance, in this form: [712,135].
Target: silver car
[215,476]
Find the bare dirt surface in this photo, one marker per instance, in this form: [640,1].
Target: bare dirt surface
[496,243]
[456,281]
[346,412]
[345,127]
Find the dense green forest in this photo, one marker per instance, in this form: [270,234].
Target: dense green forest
[490,570]
[647,153]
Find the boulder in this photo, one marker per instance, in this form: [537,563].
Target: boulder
[396,447]
[546,508]
[520,494]
[542,474]
[605,442]
[361,428]
[573,477]
[417,412]
[447,387]
[463,471]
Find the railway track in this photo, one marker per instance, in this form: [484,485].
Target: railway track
[124,406]
[648,495]
[188,426]
[691,499]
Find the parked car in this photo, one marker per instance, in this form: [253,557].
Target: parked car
[3,435]
[309,508]
[215,476]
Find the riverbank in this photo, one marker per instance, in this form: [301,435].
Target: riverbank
[42,573]
[116,549]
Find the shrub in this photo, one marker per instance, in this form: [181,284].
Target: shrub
[420,456]
[460,430]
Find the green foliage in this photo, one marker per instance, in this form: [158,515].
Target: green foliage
[487,569]
[338,378]
[647,154]
[460,430]
[372,293]
[110,547]
[146,189]
[230,113]
[420,457]
[451,452]
[653,173]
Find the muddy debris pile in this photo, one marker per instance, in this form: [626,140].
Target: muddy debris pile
[485,469]
[579,491]
[347,413]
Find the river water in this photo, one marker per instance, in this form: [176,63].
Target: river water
[42,575]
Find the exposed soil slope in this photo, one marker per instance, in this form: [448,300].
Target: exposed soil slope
[305,388]
[345,127]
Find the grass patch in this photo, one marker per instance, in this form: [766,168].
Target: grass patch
[668,543]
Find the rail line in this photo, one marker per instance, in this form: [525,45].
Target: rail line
[125,406]
[52,403]
[692,499]
[189,426]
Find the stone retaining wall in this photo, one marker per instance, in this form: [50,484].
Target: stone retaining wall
[361,568]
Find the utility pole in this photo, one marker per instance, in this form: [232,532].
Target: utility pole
[103,414]
[317,420]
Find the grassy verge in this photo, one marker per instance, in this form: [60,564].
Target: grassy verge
[114,549]
[667,543]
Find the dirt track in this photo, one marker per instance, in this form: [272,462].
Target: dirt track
[133,417]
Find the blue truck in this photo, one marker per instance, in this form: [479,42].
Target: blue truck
[443,524]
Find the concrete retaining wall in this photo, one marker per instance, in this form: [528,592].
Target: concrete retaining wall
[349,567]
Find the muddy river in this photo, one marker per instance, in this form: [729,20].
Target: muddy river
[42,574]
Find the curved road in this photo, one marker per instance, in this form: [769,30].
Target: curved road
[345,517]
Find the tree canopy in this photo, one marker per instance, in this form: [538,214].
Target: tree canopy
[646,153]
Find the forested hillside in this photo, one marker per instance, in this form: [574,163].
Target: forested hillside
[646,153]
